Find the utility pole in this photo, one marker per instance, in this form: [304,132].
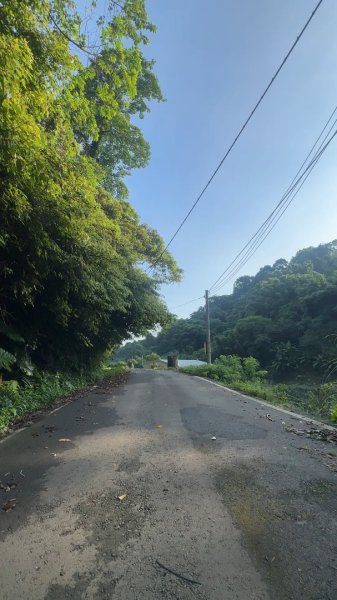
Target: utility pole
[208,331]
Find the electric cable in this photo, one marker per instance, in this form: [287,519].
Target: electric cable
[238,135]
[276,216]
[289,189]
[188,302]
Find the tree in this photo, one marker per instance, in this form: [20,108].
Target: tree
[153,358]
[117,84]
[242,285]
[72,285]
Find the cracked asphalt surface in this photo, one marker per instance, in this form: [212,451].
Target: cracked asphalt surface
[248,516]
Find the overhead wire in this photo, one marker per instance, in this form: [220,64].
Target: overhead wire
[238,135]
[188,302]
[277,213]
[284,198]
[267,231]
[281,201]
[270,223]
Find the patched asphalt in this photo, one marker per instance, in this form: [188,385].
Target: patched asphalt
[124,494]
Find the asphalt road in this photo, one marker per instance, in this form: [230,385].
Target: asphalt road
[248,516]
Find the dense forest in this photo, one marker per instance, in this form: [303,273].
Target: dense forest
[285,316]
[71,246]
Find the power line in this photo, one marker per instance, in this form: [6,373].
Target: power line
[228,151]
[281,210]
[188,302]
[266,232]
[295,181]
[250,252]
[285,201]
[318,155]
[289,189]
[270,223]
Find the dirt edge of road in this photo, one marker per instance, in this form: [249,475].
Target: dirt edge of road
[28,419]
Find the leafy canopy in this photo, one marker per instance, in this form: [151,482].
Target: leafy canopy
[71,247]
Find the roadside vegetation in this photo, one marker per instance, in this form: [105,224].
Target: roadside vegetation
[20,398]
[72,248]
[245,375]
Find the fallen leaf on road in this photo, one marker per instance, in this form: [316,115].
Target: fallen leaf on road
[159,426]
[9,505]
[64,440]
[270,560]
[122,497]
[50,428]
[5,487]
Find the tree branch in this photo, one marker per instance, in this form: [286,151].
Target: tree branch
[70,39]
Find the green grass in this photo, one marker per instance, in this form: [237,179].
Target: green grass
[18,399]
[274,394]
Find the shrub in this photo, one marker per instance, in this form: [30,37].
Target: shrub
[231,364]
[152,358]
[323,400]
[7,360]
[229,369]
[252,369]
[17,400]
[334,414]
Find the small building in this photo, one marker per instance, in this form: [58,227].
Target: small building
[190,362]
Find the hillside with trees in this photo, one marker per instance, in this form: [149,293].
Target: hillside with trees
[285,316]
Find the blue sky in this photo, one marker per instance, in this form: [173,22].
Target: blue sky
[213,61]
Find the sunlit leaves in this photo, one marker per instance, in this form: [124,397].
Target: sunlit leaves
[70,252]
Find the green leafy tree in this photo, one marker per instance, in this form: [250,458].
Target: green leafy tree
[153,358]
[71,253]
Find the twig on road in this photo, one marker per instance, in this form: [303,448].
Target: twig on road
[177,574]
